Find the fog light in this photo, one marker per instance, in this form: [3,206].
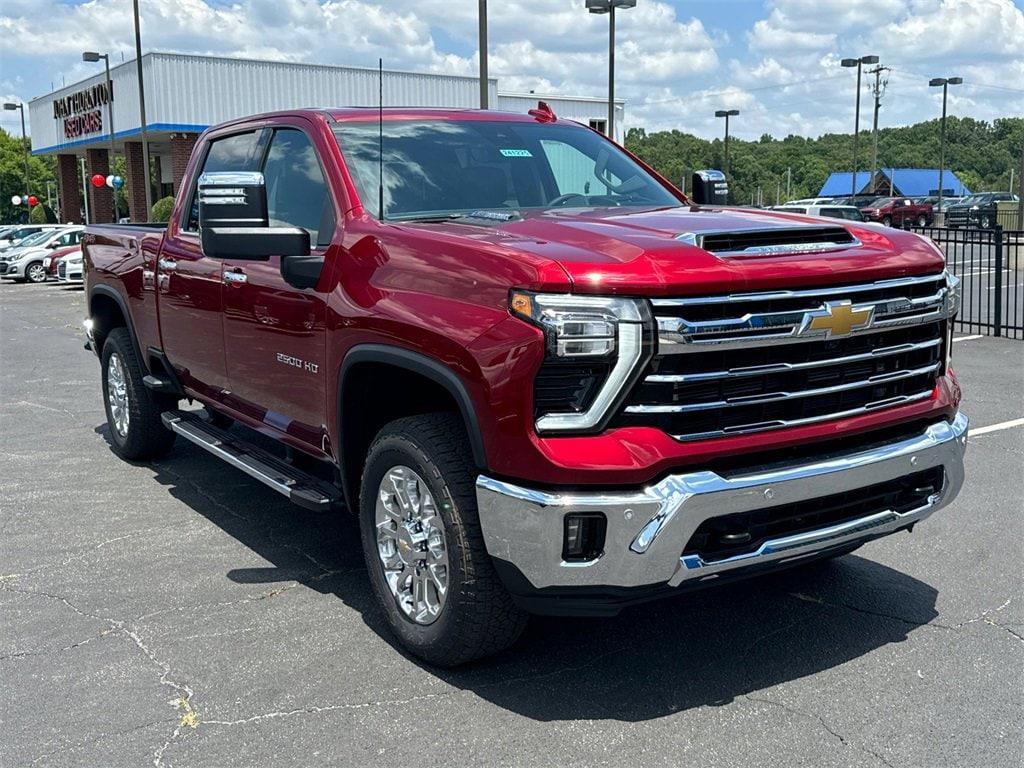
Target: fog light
[584,536]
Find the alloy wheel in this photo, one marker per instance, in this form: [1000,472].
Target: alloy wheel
[117,394]
[411,545]
[36,273]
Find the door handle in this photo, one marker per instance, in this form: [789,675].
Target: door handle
[235,277]
[167,265]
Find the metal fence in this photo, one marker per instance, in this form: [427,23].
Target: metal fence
[990,262]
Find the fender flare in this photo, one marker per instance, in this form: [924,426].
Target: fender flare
[425,366]
[106,290]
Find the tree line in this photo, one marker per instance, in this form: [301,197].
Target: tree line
[982,155]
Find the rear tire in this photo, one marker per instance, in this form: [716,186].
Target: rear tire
[429,458]
[133,412]
[922,222]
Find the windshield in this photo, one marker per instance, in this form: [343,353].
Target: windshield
[446,168]
[34,239]
[974,200]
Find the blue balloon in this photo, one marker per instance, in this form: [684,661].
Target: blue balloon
[117,182]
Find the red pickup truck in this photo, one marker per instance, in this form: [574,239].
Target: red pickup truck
[543,379]
[898,212]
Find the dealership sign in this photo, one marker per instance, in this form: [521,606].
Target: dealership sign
[81,111]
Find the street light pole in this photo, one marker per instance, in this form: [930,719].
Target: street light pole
[94,56]
[945,82]
[858,63]
[482,18]
[10,106]
[726,113]
[878,91]
[142,108]
[609,6]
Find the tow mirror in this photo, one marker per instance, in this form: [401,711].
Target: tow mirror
[233,220]
[709,188]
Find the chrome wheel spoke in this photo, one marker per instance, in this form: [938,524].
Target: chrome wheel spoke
[411,545]
[117,394]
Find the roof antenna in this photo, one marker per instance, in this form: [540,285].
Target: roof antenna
[380,138]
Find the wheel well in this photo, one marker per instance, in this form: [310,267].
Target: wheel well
[106,315]
[373,394]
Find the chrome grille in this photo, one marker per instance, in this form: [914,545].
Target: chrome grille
[752,362]
[62,270]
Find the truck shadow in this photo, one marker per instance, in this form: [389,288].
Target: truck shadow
[700,649]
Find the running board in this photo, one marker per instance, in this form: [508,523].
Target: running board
[301,488]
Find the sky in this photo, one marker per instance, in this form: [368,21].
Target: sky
[777,61]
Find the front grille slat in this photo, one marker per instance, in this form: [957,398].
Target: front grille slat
[746,385]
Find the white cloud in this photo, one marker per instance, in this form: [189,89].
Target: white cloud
[673,70]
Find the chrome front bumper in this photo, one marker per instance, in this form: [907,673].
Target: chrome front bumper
[648,529]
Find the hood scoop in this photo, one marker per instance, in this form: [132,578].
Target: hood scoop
[776,241]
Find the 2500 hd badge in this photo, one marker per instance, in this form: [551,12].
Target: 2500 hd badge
[298,363]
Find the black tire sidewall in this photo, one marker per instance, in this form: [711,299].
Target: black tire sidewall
[392,451]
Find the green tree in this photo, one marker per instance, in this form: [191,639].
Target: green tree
[12,176]
[42,214]
[981,154]
[163,208]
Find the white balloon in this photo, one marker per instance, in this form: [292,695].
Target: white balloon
[110,181]
[15,200]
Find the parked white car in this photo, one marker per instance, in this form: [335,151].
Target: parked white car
[847,212]
[16,236]
[69,270]
[26,261]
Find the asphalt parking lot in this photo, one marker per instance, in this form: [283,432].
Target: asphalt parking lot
[181,614]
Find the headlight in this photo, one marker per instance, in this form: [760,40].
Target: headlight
[595,345]
[953,298]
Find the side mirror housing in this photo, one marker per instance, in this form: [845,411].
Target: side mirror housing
[234,224]
[709,188]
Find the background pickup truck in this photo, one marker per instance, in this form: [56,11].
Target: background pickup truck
[898,211]
[542,379]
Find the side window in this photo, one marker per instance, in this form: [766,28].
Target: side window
[832,213]
[296,191]
[232,153]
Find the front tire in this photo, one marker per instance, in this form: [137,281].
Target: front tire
[133,412]
[922,222]
[887,221]
[35,272]
[424,548]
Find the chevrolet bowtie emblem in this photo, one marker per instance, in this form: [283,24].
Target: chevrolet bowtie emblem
[837,318]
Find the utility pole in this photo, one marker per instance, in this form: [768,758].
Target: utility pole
[483,54]
[142,110]
[778,190]
[789,182]
[878,91]
[858,63]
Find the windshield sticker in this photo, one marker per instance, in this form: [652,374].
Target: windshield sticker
[515,153]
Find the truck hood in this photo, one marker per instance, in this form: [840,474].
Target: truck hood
[654,251]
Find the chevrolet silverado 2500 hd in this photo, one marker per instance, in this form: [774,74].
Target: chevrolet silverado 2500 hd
[543,379]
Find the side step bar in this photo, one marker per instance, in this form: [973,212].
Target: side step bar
[301,488]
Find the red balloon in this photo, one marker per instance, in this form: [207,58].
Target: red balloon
[98,180]
[33,200]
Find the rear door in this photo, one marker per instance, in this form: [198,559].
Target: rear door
[191,284]
[275,334]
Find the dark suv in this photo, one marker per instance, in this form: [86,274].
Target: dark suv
[977,210]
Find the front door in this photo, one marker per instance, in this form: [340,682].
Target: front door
[191,285]
[275,336]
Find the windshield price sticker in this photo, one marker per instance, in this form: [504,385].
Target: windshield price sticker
[515,153]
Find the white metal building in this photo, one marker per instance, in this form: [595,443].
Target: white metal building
[185,94]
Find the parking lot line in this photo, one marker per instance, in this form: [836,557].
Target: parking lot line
[968,338]
[997,427]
